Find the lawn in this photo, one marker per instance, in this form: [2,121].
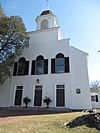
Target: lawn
[52,123]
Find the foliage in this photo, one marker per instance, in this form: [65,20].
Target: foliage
[47,100]
[26,100]
[95,85]
[2,14]
[13,38]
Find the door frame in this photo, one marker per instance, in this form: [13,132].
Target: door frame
[34,88]
[15,95]
[64,95]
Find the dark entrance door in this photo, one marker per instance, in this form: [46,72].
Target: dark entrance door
[60,97]
[18,95]
[38,96]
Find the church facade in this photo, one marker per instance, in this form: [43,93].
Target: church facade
[48,67]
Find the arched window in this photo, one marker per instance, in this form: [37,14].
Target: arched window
[59,63]
[40,65]
[21,66]
[44,24]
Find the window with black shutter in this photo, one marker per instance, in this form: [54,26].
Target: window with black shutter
[94,98]
[39,66]
[60,64]
[21,67]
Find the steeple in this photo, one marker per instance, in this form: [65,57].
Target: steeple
[47,5]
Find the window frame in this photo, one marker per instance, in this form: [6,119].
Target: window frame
[40,59]
[59,57]
[23,68]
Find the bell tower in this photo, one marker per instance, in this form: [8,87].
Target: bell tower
[46,20]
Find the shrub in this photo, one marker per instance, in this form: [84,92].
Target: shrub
[47,100]
[26,100]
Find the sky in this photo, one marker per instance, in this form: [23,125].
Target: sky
[79,20]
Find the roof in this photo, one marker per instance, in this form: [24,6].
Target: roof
[46,12]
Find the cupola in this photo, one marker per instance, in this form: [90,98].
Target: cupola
[46,20]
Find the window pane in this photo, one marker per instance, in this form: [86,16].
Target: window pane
[60,61]
[59,69]
[21,68]
[60,86]
[59,65]
[40,67]
[93,98]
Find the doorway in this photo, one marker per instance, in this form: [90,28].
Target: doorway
[60,97]
[38,96]
[18,95]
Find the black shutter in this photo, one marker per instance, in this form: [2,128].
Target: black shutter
[46,66]
[15,68]
[67,64]
[52,65]
[33,68]
[96,98]
[26,67]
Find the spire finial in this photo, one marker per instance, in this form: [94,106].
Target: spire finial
[47,6]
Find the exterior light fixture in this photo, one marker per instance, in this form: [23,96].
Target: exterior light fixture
[37,81]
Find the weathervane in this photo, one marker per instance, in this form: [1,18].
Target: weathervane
[47,6]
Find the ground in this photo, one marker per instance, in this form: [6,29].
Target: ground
[42,121]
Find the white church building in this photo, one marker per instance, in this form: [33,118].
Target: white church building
[48,67]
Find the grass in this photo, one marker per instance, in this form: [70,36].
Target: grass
[52,123]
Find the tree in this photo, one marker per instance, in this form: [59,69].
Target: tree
[94,85]
[26,100]
[13,38]
[2,14]
[47,100]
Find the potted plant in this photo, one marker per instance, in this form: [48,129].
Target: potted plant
[47,100]
[26,100]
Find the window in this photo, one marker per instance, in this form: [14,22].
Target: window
[78,91]
[39,66]
[60,86]
[94,98]
[44,24]
[21,67]
[60,64]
